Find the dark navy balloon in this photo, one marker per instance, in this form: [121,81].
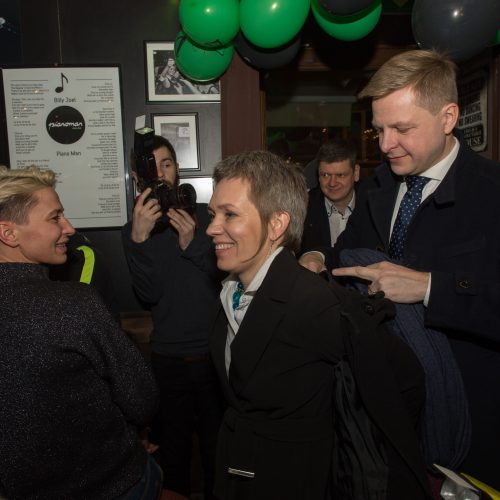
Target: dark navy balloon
[460,28]
[266,58]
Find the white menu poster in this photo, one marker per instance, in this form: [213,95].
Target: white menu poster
[69,119]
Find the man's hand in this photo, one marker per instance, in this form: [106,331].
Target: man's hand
[144,217]
[184,224]
[148,445]
[399,284]
[313,261]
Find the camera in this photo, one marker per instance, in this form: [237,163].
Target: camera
[180,196]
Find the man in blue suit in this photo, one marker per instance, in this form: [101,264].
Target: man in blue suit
[449,256]
[332,202]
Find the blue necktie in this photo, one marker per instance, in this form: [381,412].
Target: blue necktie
[409,204]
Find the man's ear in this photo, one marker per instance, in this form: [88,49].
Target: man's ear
[8,234]
[357,172]
[278,225]
[450,117]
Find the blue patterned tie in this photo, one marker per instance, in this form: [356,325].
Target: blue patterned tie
[409,204]
[237,295]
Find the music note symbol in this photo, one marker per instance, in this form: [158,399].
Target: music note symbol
[61,88]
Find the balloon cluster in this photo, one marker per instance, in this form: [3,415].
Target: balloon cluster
[204,47]
[266,33]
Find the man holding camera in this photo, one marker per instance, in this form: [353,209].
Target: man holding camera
[173,272]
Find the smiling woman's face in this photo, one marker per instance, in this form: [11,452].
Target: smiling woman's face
[236,230]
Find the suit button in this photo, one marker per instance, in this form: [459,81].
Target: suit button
[369,309]
[464,284]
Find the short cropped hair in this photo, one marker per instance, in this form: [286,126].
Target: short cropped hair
[17,188]
[337,150]
[430,74]
[275,186]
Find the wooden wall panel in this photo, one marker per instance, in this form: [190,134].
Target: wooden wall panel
[242,109]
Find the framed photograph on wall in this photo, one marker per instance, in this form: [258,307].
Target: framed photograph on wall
[182,132]
[164,82]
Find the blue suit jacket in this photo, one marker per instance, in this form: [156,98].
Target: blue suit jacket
[455,234]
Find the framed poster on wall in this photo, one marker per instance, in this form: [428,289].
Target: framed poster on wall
[164,82]
[473,104]
[182,132]
[69,120]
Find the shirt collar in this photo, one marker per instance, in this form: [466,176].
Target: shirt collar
[229,287]
[231,281]
[332,209]
[440,169]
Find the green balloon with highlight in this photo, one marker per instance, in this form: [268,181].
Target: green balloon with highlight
[210,23]
[348,28]
[272,23]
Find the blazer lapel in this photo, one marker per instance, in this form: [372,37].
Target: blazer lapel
[381,203]
[217,349]
[261,320]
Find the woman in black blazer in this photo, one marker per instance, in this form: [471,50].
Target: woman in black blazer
[275,340]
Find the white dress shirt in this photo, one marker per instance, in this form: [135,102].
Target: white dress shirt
[235,317]
[337,220]
[436,174]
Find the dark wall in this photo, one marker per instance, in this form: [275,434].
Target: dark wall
[76,32]
[10,37]
[10,54]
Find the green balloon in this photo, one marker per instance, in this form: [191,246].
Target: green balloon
[496,41]
[199,63]
[272,23]
[348,28]
[210,23]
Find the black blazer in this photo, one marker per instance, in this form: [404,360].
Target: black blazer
[278,426]
[455,234]
[316,225]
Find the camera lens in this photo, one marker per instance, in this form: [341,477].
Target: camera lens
[186,195]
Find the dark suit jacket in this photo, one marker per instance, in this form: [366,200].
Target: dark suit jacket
[279,422]
[316,235]
[455,234]
[316,225]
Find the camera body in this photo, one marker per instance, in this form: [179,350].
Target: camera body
[180,196]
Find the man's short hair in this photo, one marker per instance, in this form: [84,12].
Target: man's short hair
[17,187]
[161,142]
[275,186]
[337,150]
[430,74]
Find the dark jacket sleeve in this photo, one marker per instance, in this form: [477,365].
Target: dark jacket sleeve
[118,361]
[154,260]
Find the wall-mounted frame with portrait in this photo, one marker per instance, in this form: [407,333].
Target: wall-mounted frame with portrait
[182,132]
[164,82]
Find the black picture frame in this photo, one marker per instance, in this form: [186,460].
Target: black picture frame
[181,130]
[164,83]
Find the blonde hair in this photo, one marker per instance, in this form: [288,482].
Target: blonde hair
[17,187]
[430,74]
[275,186]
